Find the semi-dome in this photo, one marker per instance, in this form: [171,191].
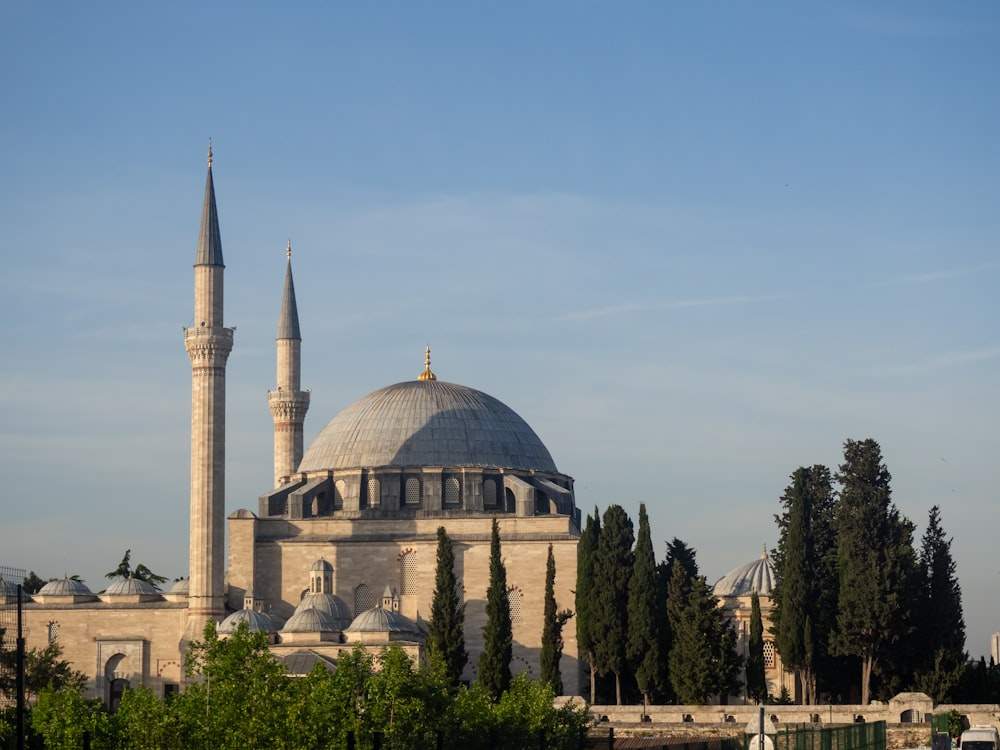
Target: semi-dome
[256,622]
[754,576]
[427,423]
[331,604]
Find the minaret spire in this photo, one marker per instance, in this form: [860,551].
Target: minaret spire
[288,402]
[208,344]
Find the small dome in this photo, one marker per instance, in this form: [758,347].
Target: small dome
[321,566]
[65,587]
[7,588]
[379,620]
[754,576]
[332,605]
[130,587]
[181,587]
[257,622]
[310,620]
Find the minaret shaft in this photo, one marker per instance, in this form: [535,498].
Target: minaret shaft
[208,344]
[288,402]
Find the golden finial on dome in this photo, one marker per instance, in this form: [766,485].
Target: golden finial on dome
[427,374]
[209,152]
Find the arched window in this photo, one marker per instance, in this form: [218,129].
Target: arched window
[452,491]
[412,491]
[490,493]
[363,599]
[374,493]
[408,574]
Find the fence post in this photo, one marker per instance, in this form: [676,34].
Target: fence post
[350,741]
[611,738]
[86,740]
[440,739]
[376,741]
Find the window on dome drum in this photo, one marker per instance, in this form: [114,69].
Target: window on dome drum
[374,493]
[769,654]
[411,491]
[339,490]
[363,599]
[408,574]
[514,605]
[452,491]
[490,493]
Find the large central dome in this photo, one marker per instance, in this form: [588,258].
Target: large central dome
[427,423]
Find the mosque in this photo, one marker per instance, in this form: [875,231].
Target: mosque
[342,549]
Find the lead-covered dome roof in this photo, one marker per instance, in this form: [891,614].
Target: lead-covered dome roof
[754,576]
[427,423]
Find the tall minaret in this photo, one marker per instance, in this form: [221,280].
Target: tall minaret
[208,344]
[288,403]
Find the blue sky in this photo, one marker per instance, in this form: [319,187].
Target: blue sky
[695,246]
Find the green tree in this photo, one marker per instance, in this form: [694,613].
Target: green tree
[703,660]
[645,613]
[32,583]
[553,621]
[673,593]
[804,601]
[877,561]
[498,635]
[941,632]
[61,716]
[140,572]
[609,614]
[446,630]
[584,594]
[756,678]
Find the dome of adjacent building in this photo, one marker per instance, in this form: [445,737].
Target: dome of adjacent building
[331,604]
[130,587]
[181,587]
[754,576]
[427,423]
[310,620]
[7,588]
[256,621]
[381,620]
[65,587]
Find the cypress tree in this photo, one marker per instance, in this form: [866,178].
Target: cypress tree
[552,626]
[877,562]
[498,636]
[446,630]
[703,659]
[806,568]
[756,679]
[584,594]
[672,601]
[941,634]
[644,637]
[609,619]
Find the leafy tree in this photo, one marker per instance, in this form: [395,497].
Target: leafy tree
[584,594]
[43,668]
[61,716]
[941,632]
[140,572]
[446,630]
[553,621]
[877,561]
[609,617]
[756,679]
[804,601]
[498,635]
[703,660]
[644,613]
[32,583]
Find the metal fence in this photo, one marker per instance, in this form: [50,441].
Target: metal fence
[867,736]
[10,578]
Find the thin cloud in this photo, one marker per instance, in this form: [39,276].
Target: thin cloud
[939,362]
[932,277]
[628,308]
